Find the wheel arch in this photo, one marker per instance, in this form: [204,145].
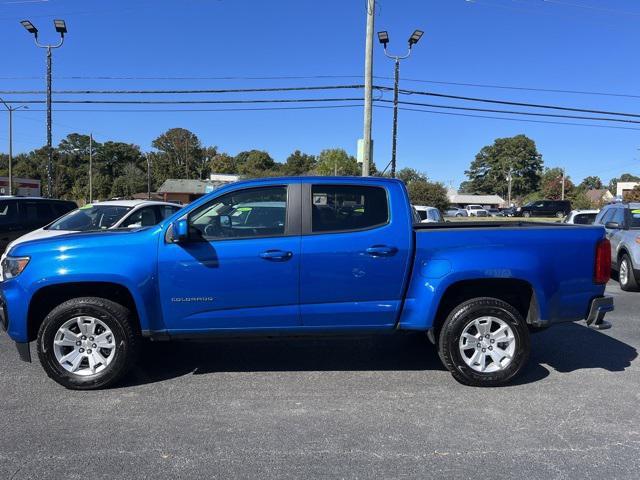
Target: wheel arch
[48,297]
[516,292]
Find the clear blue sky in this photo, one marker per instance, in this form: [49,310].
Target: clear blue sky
[587,45]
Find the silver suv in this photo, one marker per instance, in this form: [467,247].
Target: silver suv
[622,223]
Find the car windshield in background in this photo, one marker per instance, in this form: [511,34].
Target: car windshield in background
[90,217]
[635,218]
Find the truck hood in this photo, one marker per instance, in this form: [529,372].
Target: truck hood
[96,240]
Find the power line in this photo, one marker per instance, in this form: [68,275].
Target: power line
[166,110]
[507,102]
[515,112]
[491,117]
[310,77]
[518,88]
[139,92]
[192,102]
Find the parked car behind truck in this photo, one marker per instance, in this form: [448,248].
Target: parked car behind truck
[20,215]
[87,298]
[622,224]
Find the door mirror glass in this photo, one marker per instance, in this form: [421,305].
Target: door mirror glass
[180,231]
[612,225]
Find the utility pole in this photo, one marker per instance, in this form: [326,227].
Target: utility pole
[562,184]
[11,109]
[148,176]
[91,168]
[61,28]
[509,179]
[368,87]
[383,37]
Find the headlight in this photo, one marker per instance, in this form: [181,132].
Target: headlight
[13,266]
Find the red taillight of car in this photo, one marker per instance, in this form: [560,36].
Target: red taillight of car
[602,267]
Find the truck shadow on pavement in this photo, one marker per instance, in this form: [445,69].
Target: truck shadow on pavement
[563,348]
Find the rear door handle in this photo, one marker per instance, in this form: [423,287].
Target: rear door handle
[276,255]
[381,251]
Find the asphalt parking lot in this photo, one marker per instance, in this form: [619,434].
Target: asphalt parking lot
[338,408]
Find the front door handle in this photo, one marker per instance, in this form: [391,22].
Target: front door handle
[381,251]
[276,255]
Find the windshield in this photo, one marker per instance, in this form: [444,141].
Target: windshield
[90,217]
[635,218]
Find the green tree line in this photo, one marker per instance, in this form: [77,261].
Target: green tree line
[120,169]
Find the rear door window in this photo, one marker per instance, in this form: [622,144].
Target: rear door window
[337,208]
[584,218]
[8,212]
[144,217]
[165,211]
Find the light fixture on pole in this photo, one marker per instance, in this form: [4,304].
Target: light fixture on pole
[11,109]
[383,38]
[60,27]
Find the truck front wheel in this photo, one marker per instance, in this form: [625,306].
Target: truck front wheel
[484,342]
[87,343]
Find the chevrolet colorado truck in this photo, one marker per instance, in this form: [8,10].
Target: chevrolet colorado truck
[294,256]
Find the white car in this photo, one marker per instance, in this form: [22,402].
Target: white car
[581,217]
[428,214]
[476,211]
[103,215]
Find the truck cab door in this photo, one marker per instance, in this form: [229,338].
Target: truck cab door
[356,249]
[239,267]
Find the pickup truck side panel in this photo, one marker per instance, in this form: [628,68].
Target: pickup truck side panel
[556,262]
[85,258]
[356,278]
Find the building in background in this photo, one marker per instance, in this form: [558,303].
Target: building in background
[599,196]
[22,187]
[461,200]
[625,187]
[186,191]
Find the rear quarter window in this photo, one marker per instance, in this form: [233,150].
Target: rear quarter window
[337,208]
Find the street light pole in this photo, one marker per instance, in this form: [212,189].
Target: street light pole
[383,38]
[61,28]
[11,109]
[91,168]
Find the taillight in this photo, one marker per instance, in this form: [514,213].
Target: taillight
[602,267]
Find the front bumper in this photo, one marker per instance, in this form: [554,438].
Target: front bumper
[24,350]
[600,306]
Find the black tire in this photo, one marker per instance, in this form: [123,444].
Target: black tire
[631,285]
[452,330]
[560,215]
[526,214]
[116,317]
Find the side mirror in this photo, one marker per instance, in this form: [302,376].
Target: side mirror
[180,231]
[612,225]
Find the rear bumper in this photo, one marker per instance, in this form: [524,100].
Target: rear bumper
[599,308]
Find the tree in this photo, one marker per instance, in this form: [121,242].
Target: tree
[591,183]
[551,184]
[299,163]
[625,177]
[580,201]
[179,155]
[408,175]
[223,163]
[131,181]
[488,172]
[255,163]
[633,195]
[336,161]
[432,194]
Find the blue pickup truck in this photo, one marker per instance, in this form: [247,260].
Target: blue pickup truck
[294,256]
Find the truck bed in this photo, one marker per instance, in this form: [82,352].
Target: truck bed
[493,224]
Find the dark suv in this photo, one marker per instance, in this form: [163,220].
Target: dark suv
[20,215]
[545,208]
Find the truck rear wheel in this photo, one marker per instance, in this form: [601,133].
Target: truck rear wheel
[87,343]
[484,342]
